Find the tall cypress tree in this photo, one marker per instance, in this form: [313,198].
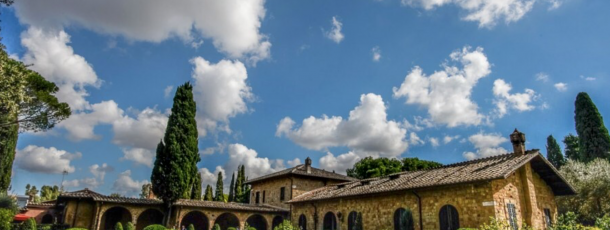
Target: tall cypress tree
[175,169]
[594,137]
[553,152]
[239,192]
[208,194]
[572,149]
[232,189]
[196,193]
[219,196]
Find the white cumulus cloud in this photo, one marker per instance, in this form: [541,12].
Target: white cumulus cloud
[127,186]
[561,87]
[486,145]
[100,171]
[38,159]
[518,101]
[335,32]
[376,53]
[340,163]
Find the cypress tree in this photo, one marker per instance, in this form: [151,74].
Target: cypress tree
[239,192]
[175,168]
[8,143]
[593,134]
[196,193]
[232,189]
[553,152]
[572,148]
[220,196]
[208,194]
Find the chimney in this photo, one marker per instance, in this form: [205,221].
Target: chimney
[308,164]
[518,140]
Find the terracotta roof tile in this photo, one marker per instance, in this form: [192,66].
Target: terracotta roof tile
[230,205]
[301,170]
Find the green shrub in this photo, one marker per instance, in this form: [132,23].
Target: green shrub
[248,227]
[7,202]
[118,226]
[29,224]
[216,227]
[568,221]
[286,225]
[155,227]
[191,227]
[603,223]
[45,227]
[231,228]
[130,226]
[6,218]
[76,229]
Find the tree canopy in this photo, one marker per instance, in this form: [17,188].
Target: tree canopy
[553,152]
[219,196]
[369,167]
[593,134]
[209,196]
[572,147]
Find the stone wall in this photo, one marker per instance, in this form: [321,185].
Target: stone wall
[79,213]
[213,214]
[271,189]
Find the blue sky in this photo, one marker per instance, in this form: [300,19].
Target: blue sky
[278,81]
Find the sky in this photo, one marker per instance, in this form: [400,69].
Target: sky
[276,81]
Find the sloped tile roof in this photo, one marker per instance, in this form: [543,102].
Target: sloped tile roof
[230,205]
[302,171]
[86,193]
[495,167]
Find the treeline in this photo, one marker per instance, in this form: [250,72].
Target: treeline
[46,193]
[369,167]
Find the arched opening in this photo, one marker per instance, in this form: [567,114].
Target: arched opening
[149,217]
[227,220]
[403,219]
[277,220]
[302,222]
[114,215]
[330,221]
[449,218]
[47,219]
[196,218]
[257,221]
[352,219]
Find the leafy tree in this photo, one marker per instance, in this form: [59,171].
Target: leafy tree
[7,202]
[146,189]
[117,195]
[593,134]
[219,196]
[572,148]
[553,152]
[414,164]
[49,193]
[130,226]
[592,184]
[603,223]
[6,218]
[29,224]
[118,226]
[285,225]
[568,221]
[175,169]
[208,194]
[27,103]
[369,167]
[32,192]
[196,193]
[232,189]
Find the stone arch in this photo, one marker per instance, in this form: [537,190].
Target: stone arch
[47,219]
[449,218]
[198,219]
[257,221]
[303,222]
[114,215]
[330,221]
[149,217]
[227,220]
[403,219]
[277,220]
[351,220]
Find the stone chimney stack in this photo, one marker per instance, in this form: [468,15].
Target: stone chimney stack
[308,164]
[518,140]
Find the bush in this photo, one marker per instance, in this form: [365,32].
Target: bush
[130,226]
[118,226]
[45,227]
[29,224]
[231,228]
[568,221]
[216,227]
[603,223]
[7,202]
[155,227]
[76,229]
[6,218]
[248,227]
[286,225]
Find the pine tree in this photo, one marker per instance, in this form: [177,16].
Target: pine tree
[196,193]
[208,194]
[219,196]
[593,134]
[572,149]
[239,192]
[553,152]
[232,189]
[175,168]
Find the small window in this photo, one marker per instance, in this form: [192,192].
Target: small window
[282,193]
[512,216]
[547,217]
[258,196]
[263,197]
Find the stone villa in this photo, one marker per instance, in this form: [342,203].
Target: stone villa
[519,187]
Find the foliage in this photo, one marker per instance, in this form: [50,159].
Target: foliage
[216,227]
[49,192]
[568,221]
[286,225]
[29,224]
[32,192]
[118,226]
[175,169]
[242,190]
[117,195]
[7,202]
[191,227]
[232,189]
[592,184]
[76,229]
[219,196]
[155,227]
[231,228]
[495,224]
[248,227]
[8,144]
[593,134]
[572,147]
[47,227]
[208,194]
[196,190]
[6,217]
[553,152]
[145,193]
[603,223]
[369,167]
[130,226]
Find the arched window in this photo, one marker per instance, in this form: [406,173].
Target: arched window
[403,219]
[47,219]
[352,220]
[449,218]
[302,222]
[256,221]
[330,221]
[277,220]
